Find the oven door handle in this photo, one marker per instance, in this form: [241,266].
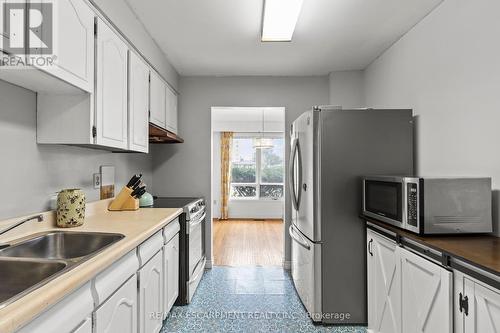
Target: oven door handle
[200,220]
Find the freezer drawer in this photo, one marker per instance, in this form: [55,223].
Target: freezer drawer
[306,272]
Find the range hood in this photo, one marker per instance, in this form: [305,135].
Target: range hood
[161,135]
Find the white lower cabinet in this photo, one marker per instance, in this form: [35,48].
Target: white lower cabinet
[384,284]
[171,267]
[119,312]
[426,295]
[406,292]
[150,295]
[72,314]
[480,310]
[131,295]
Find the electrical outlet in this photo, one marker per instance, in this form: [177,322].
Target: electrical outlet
[97,180]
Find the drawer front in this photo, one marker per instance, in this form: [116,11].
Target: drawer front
[148,249]
[66,316]
[119,312]
[171,230]
[106,282]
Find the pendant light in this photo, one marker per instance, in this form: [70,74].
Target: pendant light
[262,142]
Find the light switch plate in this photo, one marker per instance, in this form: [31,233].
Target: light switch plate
[97,181]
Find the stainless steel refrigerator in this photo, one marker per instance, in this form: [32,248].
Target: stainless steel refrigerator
[330,150]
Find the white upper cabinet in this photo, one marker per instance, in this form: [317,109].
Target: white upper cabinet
[73,42]
[384,284]
[69,67]
[111,89]
[138,105]
[171,110]
[2,28]
[158,100]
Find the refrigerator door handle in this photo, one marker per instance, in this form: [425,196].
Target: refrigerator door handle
[299,239]
[295,152]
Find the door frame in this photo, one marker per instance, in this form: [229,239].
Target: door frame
[209,233]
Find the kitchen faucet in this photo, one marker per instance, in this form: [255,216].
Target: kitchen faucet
[39,218]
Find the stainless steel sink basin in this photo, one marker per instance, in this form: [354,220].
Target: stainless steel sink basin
[31,262]
[61,245]
[19,276]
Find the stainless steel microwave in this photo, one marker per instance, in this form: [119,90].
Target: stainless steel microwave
[430,205]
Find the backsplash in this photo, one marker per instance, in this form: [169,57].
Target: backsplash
[31,173]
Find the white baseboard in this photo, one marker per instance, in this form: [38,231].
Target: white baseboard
[287,265]
[208,264]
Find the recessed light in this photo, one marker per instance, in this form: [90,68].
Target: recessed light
[280,18]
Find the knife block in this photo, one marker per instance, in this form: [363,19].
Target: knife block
[124,201]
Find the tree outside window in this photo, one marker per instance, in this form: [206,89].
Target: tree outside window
[257,173]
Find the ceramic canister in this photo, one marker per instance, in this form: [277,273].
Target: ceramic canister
[70,208]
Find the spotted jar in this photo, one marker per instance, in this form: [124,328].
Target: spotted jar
[70,208]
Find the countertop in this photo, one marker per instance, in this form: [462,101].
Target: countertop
[481,251]
[136,226]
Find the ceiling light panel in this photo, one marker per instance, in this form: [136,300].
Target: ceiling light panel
[280,18]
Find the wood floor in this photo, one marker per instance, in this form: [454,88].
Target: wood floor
[248,242]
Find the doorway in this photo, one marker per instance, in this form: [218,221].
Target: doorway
[248,186]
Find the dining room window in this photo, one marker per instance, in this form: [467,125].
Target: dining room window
[257,172]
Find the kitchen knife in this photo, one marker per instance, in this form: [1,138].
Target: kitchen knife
[137,190]
[133,180]
[140,194]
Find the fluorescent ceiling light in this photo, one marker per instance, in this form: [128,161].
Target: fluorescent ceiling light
[280,18]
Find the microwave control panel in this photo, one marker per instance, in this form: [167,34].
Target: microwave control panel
[412,193]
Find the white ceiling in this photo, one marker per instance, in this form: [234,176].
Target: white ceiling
[222,37]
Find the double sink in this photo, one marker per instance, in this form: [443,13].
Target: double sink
[30,262]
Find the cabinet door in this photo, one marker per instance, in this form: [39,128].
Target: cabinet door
[171,110]
[484,308]
[158,100]
[73,44]
[111,93]
[3,34]
[150,295]
[119,312]
[171,264]
[84,327]
[426,295]
[138,105]
[384,284]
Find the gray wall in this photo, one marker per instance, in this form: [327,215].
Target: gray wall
[347,89]
[185,169]
[447,68]
[31,173]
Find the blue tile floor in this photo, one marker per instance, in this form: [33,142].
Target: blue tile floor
[246,299]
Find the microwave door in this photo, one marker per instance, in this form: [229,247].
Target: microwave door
[384,201]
